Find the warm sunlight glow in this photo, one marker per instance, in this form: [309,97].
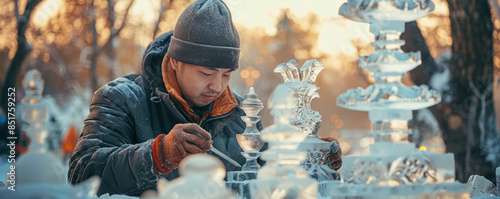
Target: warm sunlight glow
[334,30]
[255,74]
[244,74]
[44,11]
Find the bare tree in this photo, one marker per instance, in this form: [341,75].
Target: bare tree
[163,7]
[109,46]
[466,114]
[23,47]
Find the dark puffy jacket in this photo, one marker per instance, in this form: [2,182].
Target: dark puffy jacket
[126,115]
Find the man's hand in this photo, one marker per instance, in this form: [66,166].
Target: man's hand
[170,149]
[334,158]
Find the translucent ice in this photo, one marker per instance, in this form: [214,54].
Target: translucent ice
[202,176]
[282,177]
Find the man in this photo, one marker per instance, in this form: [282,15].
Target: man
[141,126]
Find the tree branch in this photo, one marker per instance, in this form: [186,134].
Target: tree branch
[415,41]
[163,7]
[482,113]
[16,9]
[125,16]
[95,49]
[23,49]
[113,31]
[111,18]
[474,88]
[61,65]
[497,8]
[31,5]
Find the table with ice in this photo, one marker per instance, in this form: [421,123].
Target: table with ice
[201,176]
[282,176]
[301,82]
[251,143]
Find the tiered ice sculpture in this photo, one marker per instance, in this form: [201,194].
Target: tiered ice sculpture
[251,142]
[49,168]
[301,81]
[393,167]
[202,176]
[281,176]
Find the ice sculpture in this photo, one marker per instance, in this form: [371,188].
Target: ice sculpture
[281,176]
[49,168]
[251,143]
[393,167]
[301,84]
[202,176]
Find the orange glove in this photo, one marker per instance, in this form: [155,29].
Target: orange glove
[170,149]
[334,158]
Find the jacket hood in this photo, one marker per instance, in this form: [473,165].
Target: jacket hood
[152,60]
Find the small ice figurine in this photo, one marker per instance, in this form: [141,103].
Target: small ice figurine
[202,176]
[35,110]
[250,141]
[38,165]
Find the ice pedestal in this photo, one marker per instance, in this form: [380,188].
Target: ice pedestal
[300,81]
[317,150]
[448,190]
[239,182]
[398,164]
[281,176]
[478,186]
[498,181]
[251,142]
[202,176]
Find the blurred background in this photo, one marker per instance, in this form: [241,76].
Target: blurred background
[79,45]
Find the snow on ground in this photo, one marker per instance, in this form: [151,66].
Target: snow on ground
[4,168]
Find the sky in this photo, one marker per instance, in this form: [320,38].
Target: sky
[335,31]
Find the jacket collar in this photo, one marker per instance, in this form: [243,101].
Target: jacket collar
[220,106]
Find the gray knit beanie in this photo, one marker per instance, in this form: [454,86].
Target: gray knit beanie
[205,35]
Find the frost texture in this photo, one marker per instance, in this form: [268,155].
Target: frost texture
[302,85]
[282,177]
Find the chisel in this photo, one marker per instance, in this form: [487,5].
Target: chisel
[216,151]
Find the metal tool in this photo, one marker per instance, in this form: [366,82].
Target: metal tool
[216,151]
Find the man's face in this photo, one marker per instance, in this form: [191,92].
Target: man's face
[200,85]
